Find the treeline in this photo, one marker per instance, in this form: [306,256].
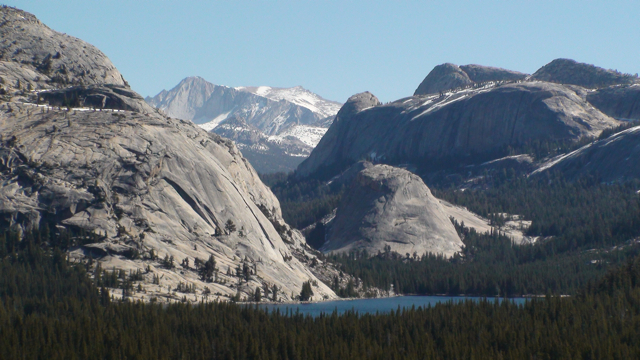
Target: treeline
[303,201]
[580,214]
[488,265]
[50,309]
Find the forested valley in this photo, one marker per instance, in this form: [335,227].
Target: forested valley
[51,309]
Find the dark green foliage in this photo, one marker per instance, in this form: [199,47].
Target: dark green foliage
[230,226]
[307,292]
[582,214]
[489,265]
[303,201]
[316,237]
[49,309]
[167,262]
[206,269]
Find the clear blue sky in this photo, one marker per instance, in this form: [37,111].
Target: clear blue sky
[339,48]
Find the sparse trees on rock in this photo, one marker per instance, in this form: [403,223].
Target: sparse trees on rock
[207,269]
[229,226]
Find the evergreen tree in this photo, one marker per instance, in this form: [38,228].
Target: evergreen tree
[307,292]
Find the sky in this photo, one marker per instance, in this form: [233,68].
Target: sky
[340,48]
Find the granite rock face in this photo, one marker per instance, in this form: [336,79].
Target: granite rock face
[391,207]
[567,71]
[450,76]
[443,77]
[146,184]
[481,74]
[43,58]
[336,140]
[108,96]
[156,194]
[434,128]
[620,102]
[616,158]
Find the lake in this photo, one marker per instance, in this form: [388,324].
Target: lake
[381,305]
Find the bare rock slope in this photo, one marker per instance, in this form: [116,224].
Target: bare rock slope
[423,129]
[154,194]
[41,58]
[620,102]
[146,185]
[567,71]
[388,206]
[613,159]
[450,76]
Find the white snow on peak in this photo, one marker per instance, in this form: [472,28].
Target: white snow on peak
[210,125]
[309,135]
[297,95]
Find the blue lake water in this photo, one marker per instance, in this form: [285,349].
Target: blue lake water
[380,305]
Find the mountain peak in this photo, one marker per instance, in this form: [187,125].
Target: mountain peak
[449,76]
[44,58]
[568,71]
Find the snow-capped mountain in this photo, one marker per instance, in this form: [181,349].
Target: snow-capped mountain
[285,123]
[299,96]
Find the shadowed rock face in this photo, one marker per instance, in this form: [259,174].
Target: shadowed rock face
[450,76]
[335,141]
[480,73]
[96,97]
[620,102]
[48,58]
[443,77]
[616,158]
[427,128]
[388,206]
[567,71]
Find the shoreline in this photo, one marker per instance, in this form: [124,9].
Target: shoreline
[527,296]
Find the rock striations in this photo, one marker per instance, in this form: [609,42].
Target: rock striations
[391,207]
[155,194]
[614,159]
[432,129]
[621,102]
[36,56]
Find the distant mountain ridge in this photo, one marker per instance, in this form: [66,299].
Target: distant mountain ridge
[272,110]
[470,114]
[290,121]
[435,130]
[299,96]
[567,71]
